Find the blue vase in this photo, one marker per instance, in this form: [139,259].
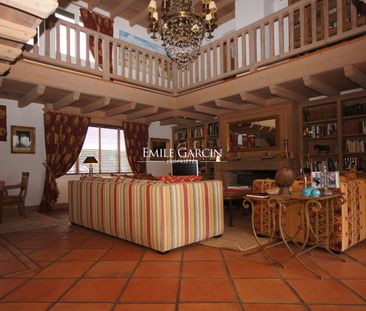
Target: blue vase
[315,193]
[307,191]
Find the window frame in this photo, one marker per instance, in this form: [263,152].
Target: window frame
[100,126]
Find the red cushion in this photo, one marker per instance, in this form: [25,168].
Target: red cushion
[176,179]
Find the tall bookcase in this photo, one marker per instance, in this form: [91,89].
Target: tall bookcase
[334,132]
[199,136]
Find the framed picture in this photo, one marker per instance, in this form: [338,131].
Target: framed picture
[23,139]
[160,149]
[317,180]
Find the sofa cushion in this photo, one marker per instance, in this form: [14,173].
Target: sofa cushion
[178,179]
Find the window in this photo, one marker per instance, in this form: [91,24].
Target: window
[108,146]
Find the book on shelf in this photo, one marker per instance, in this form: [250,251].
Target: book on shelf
[197,132]
[180,134]
[352,162]
[354,110]
[324,130]
[351,127]
[258,195]
[213,129]
[355,145]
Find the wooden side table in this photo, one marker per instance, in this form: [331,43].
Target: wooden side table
[278,204]
[231,195]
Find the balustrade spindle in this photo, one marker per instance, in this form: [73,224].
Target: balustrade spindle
[326,18]
[263,42]
[302,26]
[340,16]
[130,63]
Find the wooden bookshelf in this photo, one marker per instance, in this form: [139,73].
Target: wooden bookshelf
[334,131]
[199,136]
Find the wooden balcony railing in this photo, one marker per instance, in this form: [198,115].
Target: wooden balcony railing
[300,28]
[73,47]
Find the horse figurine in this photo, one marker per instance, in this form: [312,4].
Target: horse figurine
[321,148]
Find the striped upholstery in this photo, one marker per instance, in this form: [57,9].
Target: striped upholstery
[150,213]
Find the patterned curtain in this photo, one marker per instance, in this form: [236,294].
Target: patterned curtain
[100,24]
[2,123]
[136,137]
[64,138]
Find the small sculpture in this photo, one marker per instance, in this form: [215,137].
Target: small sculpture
[321,148]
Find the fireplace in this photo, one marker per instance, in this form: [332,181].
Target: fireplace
[246,177]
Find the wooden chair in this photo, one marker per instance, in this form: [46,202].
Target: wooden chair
[18,199]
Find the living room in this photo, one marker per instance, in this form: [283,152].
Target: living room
[212,157]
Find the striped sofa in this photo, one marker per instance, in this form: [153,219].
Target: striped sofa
[150,213]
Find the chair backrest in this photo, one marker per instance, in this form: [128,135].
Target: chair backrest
[24,185]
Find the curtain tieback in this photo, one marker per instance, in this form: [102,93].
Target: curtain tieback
[48,168]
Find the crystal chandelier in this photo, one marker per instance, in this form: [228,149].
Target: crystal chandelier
[182,29]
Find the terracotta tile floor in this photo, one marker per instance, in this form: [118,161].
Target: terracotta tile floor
[67,267]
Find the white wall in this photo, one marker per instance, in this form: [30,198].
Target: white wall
[12,164]
[157,131]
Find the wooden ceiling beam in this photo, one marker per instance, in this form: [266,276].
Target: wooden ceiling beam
[96,105]
[283,92]
[32,95]
[253,99]
[193,115]
[355,75]
[120,7]
[320,86]
[67,100]
[142,113]
[225,18]
[161,116]
[139,17]
[40,8]
[170,121]
[15,32]
[9,53]
[93,4]
[213,111]
[120,109]
[229,105]
[4,67]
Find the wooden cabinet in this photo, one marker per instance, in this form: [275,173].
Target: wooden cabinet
[197,137]
[334,132]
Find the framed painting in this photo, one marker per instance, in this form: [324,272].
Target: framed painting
[23,139]
[159,149]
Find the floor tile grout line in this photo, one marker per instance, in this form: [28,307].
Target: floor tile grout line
[338,280]
[241,304]
[123,290]
[33,277]
[180,279]
[17,256]
[82,275]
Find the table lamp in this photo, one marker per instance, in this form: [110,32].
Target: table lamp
[90,161]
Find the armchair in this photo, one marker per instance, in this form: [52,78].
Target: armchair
[16,199]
